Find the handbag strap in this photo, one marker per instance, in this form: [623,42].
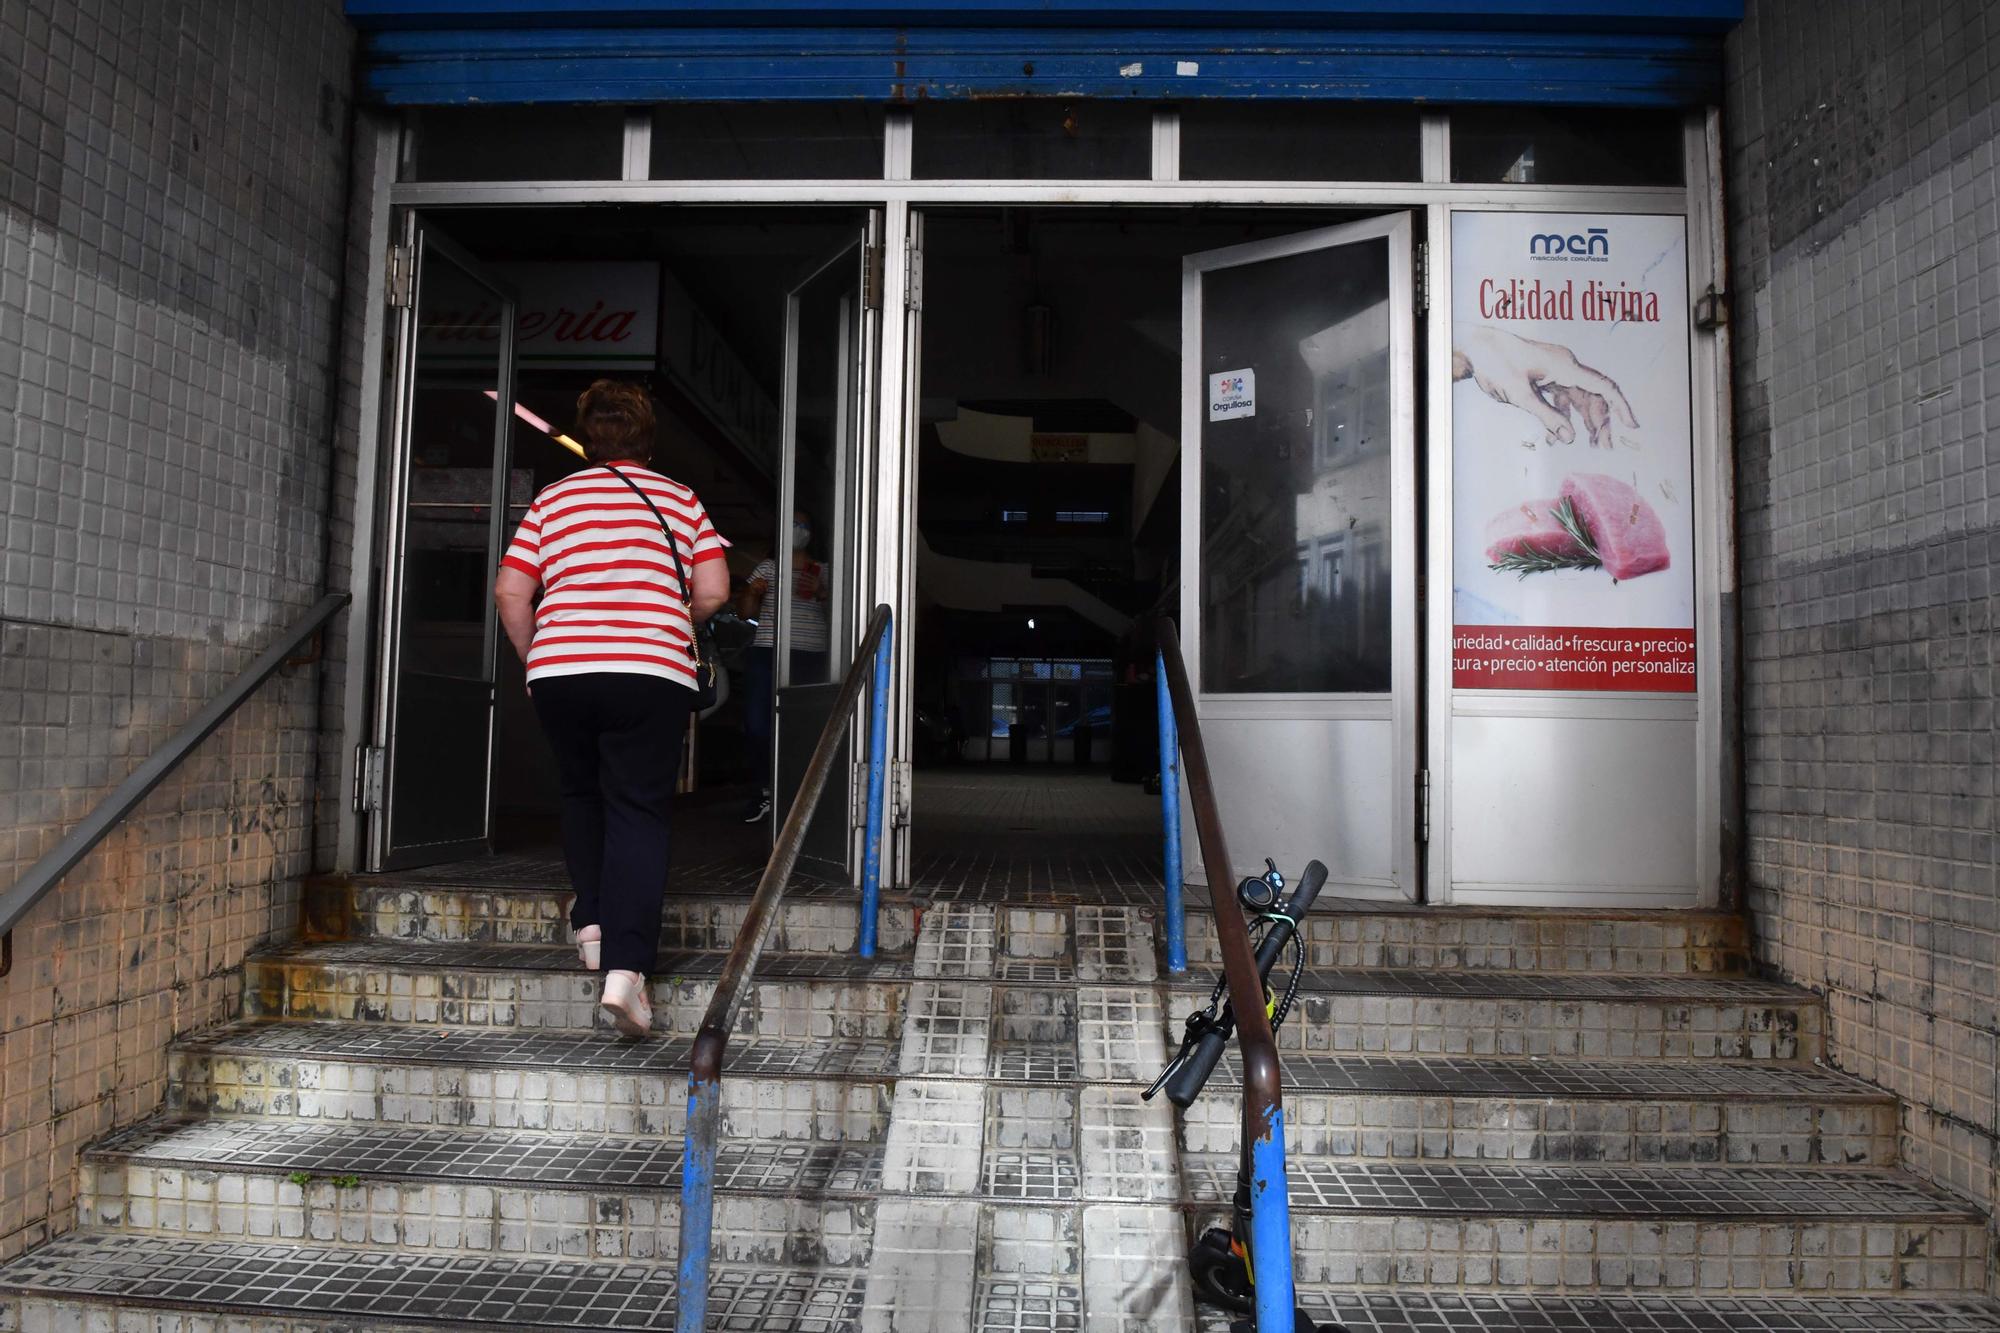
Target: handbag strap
[680,570]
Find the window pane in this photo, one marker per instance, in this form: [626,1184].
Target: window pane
[1295,501]
[1566,146]
[767,141]
[1033,140]
[1267,141]
[517,143]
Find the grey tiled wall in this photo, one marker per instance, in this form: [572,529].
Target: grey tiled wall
[173,176]
[1864,219]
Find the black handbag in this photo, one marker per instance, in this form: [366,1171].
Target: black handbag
[701,647]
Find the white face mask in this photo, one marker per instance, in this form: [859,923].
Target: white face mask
[802,535]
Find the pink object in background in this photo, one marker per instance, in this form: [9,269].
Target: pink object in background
[1629,536]
[1529,529]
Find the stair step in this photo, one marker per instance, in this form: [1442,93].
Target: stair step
[102,1279]
[525,1193]
[1344,933]
[568,1081]
[328,1289]
[1453,1312]
[1744,1230]
[1473,1189]
[1619,1017]
[1457,1108]
[540,987]
[811,920]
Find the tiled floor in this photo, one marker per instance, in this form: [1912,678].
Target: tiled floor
[985,836]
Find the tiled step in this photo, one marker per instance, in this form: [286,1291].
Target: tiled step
[1349,934]
[1453,1312]
[530,987]
[402,908]
[1362,1011]
[114,1279]
[439,1190]
[1595,1228]
[829,1091]
[104,1279]
[1449,1108]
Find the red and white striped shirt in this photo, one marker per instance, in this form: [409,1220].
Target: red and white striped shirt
[610,598]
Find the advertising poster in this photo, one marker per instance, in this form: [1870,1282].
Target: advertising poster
[1573,453]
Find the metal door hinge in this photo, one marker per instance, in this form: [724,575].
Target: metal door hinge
[871,277]
[913,276]
[900,783]
[1424,806]
[1423,275]
[857,795]
[401,261]
[371,763]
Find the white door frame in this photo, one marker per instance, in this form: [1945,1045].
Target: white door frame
[1400,705]
[854,511]
[421,241]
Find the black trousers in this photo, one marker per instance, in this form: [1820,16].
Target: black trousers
[617,742]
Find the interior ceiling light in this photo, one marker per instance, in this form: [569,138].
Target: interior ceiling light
[541,425]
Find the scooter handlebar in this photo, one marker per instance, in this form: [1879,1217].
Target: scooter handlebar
[1310,884]
[1188,1080]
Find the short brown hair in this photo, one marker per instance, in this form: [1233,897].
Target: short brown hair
[615,418]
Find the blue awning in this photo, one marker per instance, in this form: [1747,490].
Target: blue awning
[1547,52]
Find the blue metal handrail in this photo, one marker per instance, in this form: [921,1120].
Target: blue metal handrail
[704,1118]
[1170,818]
[45,873]
[1263,1096]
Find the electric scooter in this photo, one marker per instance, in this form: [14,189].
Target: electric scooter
[1220,1262]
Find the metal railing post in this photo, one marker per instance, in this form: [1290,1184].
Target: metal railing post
[878,752]
[1170,818]
[698,1197]
[1271,1227]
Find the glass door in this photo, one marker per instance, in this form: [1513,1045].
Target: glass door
[449,494]
[824,500]
[1298,515]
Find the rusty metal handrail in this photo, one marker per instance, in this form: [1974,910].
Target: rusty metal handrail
[1263,1097]
[92,829]
[712,1040]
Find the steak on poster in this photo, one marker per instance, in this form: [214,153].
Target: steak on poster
[1628,534]
[1530,530]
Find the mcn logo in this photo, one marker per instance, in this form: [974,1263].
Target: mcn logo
[1594,243]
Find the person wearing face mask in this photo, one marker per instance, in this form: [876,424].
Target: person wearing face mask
[806,619]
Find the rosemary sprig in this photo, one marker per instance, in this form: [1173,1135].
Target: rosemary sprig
[1532,559]
[1572,523]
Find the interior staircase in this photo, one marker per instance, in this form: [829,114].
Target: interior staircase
[1508,1122]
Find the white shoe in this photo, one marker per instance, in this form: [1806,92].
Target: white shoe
[589,946]
[625,1000]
